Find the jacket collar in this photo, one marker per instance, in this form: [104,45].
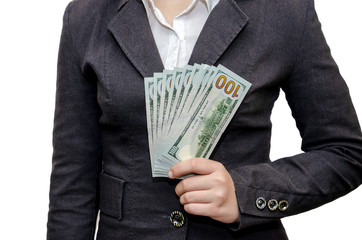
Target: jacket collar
[131,30]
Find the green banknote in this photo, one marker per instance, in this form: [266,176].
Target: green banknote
[188,116]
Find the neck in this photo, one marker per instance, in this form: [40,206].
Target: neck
[171,8]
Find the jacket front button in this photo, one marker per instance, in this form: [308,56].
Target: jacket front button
[272,204]
[177,218]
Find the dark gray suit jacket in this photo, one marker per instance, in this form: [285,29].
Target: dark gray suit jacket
[101,157]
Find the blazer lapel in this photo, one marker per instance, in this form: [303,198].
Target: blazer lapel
[224,23]
[131,30]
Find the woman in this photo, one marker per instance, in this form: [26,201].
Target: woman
[101,158]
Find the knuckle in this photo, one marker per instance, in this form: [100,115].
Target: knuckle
[218,165]
[184,184]
[177,192]
[182,200]
[178,189]
[193,163]
[220,195]
[187,198]
[221,180]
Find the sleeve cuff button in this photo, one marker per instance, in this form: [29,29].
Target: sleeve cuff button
[283,205]
[260,203]
[272,204]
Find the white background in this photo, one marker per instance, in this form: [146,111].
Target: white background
[30,32]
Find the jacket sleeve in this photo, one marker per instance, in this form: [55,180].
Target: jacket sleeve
[76,156]
[331,164]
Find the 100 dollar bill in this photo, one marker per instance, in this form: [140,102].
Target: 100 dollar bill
[198,136]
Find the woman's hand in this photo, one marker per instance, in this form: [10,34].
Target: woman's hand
[211,193]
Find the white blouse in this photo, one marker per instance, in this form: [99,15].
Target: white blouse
[175,43]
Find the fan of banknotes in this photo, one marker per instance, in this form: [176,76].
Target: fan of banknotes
[188,109]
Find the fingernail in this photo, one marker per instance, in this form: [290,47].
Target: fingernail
[170,174]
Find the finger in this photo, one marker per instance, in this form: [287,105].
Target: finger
[201,209]
[203,196]
[193,165]
[193,183]
[207,209]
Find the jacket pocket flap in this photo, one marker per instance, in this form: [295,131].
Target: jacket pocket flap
[111,194]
